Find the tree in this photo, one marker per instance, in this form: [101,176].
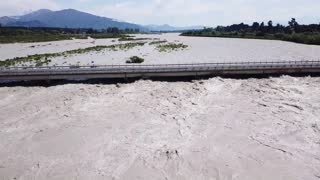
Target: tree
[113,30]
[90,31]
[270,27]
[220,28]
[207,29]
[279,28]
[255,26]
[293,23]
[262,27]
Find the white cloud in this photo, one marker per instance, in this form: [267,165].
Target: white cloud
[180,12]
[18,7]
[210,12]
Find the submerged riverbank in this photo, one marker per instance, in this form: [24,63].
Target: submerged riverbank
[193,50]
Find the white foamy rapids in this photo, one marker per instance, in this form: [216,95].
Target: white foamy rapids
[210,129]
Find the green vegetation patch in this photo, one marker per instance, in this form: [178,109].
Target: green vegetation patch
[135,60]
[171,47]
[106,36]
[127,46]
[44,59]
[157,42]
[27,35]
[305,38]
[129,38]
[35,38]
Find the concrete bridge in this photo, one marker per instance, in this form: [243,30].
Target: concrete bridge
[159,70]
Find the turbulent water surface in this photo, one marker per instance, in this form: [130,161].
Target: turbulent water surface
[211,129]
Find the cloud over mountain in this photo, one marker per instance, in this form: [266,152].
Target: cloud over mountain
[180,12]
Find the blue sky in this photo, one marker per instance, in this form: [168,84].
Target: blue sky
[179,12]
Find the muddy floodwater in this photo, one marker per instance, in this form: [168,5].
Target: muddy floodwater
[200,50]
[217,129]
[209,129]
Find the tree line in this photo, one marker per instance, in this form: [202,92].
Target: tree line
[42,34]
[292,27]
[308,34]
[114,30]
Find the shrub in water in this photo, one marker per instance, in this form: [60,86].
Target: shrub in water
[135,59]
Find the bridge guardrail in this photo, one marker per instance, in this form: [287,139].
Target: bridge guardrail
[224,64]
[143,68]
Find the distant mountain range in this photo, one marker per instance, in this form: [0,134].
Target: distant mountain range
[167,27]
[70,18]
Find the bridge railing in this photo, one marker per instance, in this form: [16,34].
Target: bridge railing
[168,67]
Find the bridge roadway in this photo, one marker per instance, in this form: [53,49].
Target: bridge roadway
[159,70]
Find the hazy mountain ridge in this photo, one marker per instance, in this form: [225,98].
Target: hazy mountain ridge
[5,20]
[68,18]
